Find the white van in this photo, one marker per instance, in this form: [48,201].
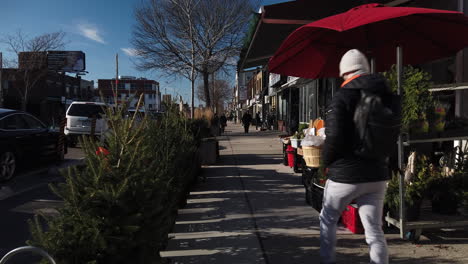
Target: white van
[79,120]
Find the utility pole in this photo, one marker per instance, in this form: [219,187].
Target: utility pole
[116,77]
[1,80]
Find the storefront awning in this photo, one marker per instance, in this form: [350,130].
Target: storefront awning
[276,22]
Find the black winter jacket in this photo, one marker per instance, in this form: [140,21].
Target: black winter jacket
[338,154]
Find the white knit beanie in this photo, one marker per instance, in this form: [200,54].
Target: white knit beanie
[354,61]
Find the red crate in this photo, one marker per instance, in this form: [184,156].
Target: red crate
[351,220]
[290,153]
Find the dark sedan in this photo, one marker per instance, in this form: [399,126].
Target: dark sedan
[24,141]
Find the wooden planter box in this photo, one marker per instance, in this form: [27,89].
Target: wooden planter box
[208,151]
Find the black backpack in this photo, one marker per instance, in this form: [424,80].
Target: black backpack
[377,125]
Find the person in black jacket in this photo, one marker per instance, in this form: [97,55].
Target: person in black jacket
[246,119]
[258,121]
[352,178]
[223,122]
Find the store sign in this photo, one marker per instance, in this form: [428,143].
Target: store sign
[274,78]
[271,91]
[291,79]
[242,92]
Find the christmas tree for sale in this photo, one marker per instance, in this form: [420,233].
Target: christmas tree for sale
[119,205]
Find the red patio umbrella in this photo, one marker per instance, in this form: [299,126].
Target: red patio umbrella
[314,50]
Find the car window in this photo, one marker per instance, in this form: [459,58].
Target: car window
[88,110]
[13,122]
[32,122]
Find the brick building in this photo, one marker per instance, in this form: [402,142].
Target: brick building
[129,90]
[49,94]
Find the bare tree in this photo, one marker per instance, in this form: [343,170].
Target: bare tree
[183,36]
[220,92]
[164,38]
[31,58]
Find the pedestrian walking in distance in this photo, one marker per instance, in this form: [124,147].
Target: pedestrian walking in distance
[257,121]
[223,122]
[246,119]
[356,161]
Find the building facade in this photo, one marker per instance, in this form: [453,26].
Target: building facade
[295,100]
[48,93]
[128,90]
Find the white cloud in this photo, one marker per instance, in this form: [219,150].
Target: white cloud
[130,52]
[91,32]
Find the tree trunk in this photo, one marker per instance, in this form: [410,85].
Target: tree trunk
[24,103]
[192,107]
[206,87]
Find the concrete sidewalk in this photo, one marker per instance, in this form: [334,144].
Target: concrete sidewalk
[251,209]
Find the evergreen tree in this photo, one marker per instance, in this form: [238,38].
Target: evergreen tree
[121,204]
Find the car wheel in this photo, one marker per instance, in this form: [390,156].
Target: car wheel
[61,153]
[7,166]
[71,143]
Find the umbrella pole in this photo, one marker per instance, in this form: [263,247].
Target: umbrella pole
[400,147]
[372,65]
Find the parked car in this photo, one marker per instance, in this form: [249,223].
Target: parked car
[152,115]
[24,139]
[80,117]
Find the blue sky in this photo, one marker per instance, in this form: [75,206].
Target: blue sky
[100,28]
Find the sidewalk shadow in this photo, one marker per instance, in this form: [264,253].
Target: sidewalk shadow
[250,159]
[288,234]
[239,205]
[254,133]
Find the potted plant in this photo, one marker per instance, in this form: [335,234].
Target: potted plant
[416,188]
[463,210]
[444,194]
[296,139]
[439,117]
[417,104]
[448,190]
[413,198]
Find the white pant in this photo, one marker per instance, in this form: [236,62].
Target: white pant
[369,197]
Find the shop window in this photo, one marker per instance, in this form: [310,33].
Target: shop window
[442,71]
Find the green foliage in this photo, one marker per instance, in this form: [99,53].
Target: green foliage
[120,207]
[465,198]
[200,128]
[459,181]
[298,135]
[302,126]
[418,104]
[416,188]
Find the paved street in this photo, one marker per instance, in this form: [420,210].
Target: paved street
[251,209]
[26,194]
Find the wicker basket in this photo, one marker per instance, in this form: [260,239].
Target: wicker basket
[311,156]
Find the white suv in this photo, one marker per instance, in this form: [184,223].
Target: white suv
[79,120]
